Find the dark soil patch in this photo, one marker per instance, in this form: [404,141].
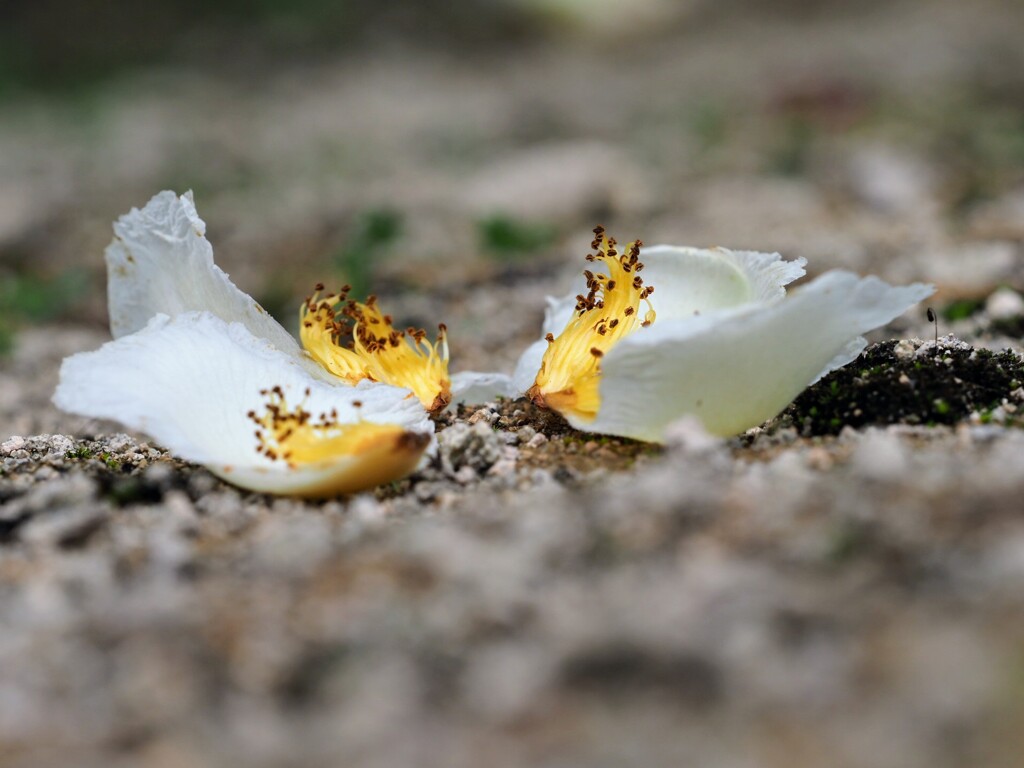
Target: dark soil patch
[930,385]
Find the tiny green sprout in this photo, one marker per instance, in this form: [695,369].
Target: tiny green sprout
[81,452]
[112,463]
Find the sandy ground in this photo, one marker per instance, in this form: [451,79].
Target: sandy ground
[533,597]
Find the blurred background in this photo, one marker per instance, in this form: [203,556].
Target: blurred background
[436,150]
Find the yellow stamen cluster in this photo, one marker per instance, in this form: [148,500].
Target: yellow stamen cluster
[294,436]
[356,341]
[571,369]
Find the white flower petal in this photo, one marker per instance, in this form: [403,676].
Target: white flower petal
[476,388]
[160,262]
[736,372]
[848,354]
[559,311]
[189,382]
[527,366]
[689,281]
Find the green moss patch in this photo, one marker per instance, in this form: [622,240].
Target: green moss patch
[899,383]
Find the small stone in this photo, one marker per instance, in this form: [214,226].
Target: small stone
[904,349]
[60,445]
[537,440]
[12,444]
[477,446]
[503,468]
[525,434]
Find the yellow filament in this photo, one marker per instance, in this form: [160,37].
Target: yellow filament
[570,372]
[296,437]
[357,341]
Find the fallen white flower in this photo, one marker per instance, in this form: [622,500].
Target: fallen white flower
[212,393]
[202,368]
[726,344]
[160,262]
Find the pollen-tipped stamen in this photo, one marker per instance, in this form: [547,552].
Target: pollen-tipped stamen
[570,371]
[355,341]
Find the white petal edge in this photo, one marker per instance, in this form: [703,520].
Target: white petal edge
[189,381]
[160,262]
[696,281]
[475,388]
[527,366]
[735,372]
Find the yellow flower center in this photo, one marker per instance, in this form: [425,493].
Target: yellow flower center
[571,369]
[296,437]
[356,341]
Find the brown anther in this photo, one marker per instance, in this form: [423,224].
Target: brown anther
[610,286]
[596,352]
[549,338]
[355,404]
[629,311]
[637,282]
[318,287]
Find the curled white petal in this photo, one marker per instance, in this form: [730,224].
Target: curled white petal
[689,281]
[475,388]
[189,382]
[696,281]
[734,372]
[160,262]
